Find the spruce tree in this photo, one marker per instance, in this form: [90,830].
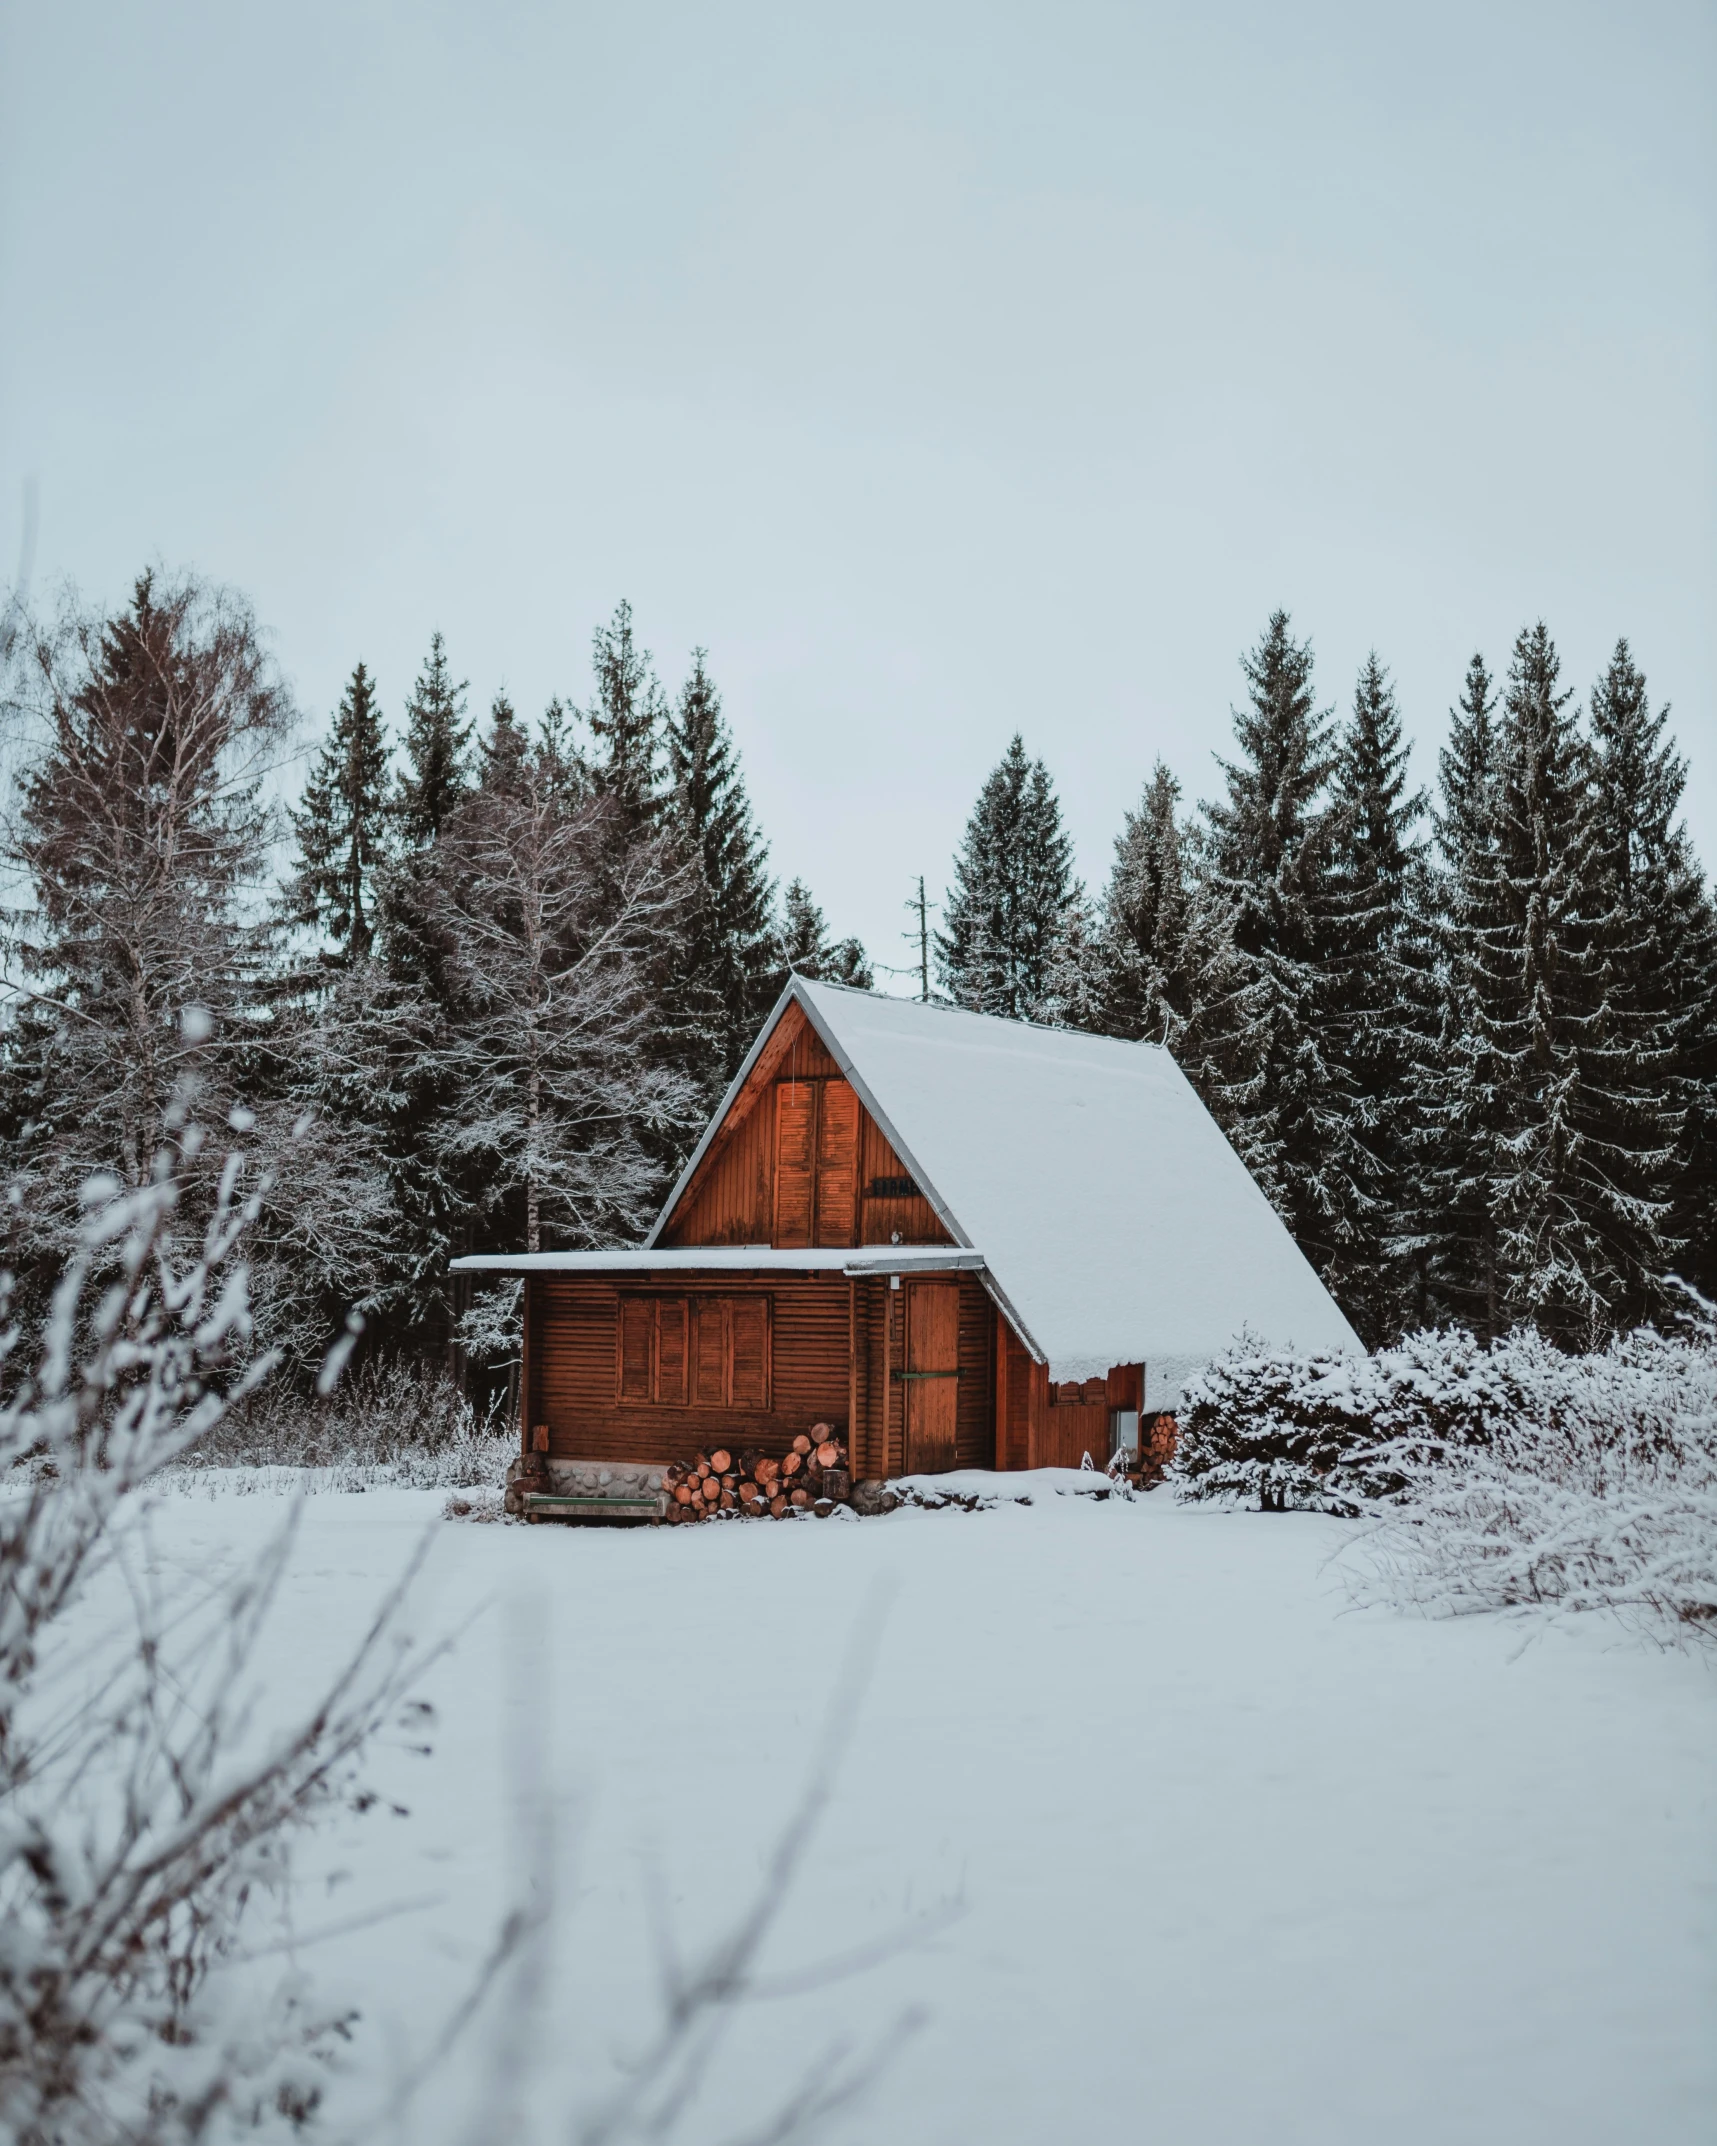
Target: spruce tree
[437,750]
[627,719]
[1661,966]
[730,950]
[1174,976]
[1372,1008]
[1013,883]
[1270,848]
[1457,1086]
[803,946]
[1075,985]
[342,827]
[501,756]
[1576,1176]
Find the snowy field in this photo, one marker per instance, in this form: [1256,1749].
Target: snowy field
[1180,1847]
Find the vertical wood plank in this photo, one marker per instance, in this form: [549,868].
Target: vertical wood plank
[852,1368]
[525,1381]
[1004,1453]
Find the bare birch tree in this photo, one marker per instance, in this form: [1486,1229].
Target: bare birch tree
[550,928]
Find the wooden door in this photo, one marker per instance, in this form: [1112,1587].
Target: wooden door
[932,1375]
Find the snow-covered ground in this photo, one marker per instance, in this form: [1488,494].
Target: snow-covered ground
[1230,1863]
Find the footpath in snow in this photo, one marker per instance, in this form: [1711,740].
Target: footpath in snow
[1196,1854]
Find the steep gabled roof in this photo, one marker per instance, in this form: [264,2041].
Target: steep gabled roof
[1116,1223]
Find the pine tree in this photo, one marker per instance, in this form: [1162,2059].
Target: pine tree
[1572,1172]
[1373,1011]
[1013,882]
[730,946]
[342,827]
[555,1096]
[803,946]
[1175,977]
[501,756]
[627,719]
[1661,969]
[143,832]
[437,746]
[1270,848]
[1075,985]
[1457,1093]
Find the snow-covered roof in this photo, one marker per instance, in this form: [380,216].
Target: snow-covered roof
[730,1259]
[1116,1223]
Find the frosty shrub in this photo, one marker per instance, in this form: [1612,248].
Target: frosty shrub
[1498,1476]
[394,1420]
[144,1826]
[1599,1491]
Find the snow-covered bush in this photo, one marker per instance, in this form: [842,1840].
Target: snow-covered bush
[393,1420]
[1598,1492]
[143,1826]
[1497,1475]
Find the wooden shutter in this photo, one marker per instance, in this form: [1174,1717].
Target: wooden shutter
[748,1380]
[671,1351]
[709,1378]
[837,1163]
[637,1348]
[795,1160]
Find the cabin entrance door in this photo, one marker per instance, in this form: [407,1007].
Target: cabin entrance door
[932,1375]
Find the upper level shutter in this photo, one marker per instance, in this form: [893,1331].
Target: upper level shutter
[837,1164]
[795,1161]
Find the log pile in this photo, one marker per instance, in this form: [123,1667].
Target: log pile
[812,1477]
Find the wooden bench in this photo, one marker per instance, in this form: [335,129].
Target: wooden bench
[564,1505]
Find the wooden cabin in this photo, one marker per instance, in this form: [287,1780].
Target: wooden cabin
[964,1242]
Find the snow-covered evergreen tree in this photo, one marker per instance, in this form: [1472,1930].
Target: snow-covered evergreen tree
[437,751]
[1576,1179]
[729,943]
[803,946]
[628,720]
[1013,882]
[143,833]
[1373,1006]
[1075,984]
[1457,1089]
[1270,848]
[1661,967]
[342,827]
[1173,975]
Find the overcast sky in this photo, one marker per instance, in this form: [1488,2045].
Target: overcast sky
[945,370]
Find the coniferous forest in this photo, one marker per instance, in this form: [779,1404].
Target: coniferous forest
[481,982]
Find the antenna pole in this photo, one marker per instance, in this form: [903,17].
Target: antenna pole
[923,944]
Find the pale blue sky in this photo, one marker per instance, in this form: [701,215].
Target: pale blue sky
[943,369]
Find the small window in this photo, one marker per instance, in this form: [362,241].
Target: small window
[893,1188]
[701,1352]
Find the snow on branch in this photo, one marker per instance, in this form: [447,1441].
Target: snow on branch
[141,1819]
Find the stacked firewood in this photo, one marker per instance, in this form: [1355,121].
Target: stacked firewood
[812,1477]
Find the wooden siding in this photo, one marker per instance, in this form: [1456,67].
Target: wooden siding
[796,1159]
